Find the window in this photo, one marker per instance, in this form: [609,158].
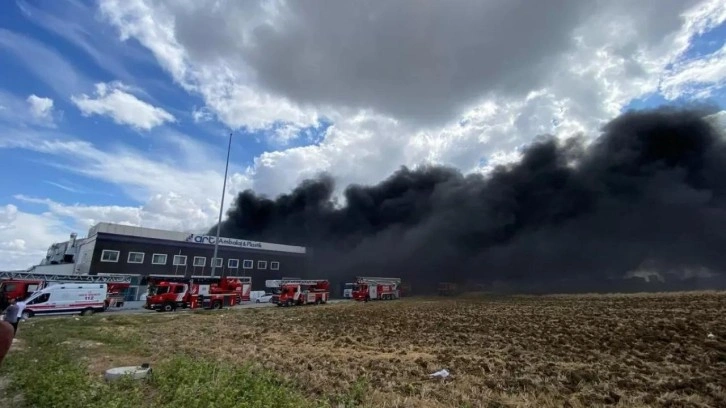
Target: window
[200,261]
[274,265]
[179,289]
[248,264]
[261,264]
[180,260]
[135,257]
[10,287]
[217,262]
[40,299]
[109,256]
[233,263]
[158,259]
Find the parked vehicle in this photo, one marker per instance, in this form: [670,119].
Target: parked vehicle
[21,285]
[369,288]
[348,290]
[266,298]
[67,298]
[296,292]
[168,294]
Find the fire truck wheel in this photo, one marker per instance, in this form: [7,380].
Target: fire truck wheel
[217,305]
[87,312]
[318,301]
[168,307]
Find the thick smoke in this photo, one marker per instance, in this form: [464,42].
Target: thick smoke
[647,195]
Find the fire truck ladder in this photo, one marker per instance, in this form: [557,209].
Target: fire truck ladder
[279,282]
[197,279]
[369,280]
[69,278]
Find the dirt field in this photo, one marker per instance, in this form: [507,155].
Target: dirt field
[577,351]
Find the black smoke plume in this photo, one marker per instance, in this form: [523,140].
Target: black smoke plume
[647,194]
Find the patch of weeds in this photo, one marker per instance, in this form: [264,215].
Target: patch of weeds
[48,374]
[52,378]
[355,397]
[188,382]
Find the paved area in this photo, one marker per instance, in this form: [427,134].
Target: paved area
[137,308]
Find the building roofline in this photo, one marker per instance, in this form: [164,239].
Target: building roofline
[189,244]
[178,236]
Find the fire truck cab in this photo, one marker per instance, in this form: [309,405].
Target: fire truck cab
[368,288]
[166,294]
[296,292]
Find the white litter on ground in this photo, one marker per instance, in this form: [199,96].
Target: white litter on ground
[444,373]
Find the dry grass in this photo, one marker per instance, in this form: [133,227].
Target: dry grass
[550,351]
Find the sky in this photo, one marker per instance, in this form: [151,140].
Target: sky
[120,110]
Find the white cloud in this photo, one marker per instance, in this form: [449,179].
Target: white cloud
[406,88]
[202,114]
[174,190]
[140,176]
[75,22]
[114,100]
[166,211]
[24,237]
[40,108]
[460,84]
[44,62]
[174,195]
[33,111]
[696,77]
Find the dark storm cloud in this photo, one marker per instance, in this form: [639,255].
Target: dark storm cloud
[651,189]
[419,61]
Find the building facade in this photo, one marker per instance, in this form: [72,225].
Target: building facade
[145,252]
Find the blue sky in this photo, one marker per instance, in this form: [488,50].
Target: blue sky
[118,111]
[24,75]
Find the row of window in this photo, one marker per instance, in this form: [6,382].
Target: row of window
[109,255]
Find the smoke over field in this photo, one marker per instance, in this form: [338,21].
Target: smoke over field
[648,194]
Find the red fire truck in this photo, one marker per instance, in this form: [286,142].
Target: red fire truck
[167,294]
[20,285]
[367,288]
[295,292]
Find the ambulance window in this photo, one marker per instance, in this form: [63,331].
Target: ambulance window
[179,289]
[41,299]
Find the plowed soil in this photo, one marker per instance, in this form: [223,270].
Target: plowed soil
[552,351]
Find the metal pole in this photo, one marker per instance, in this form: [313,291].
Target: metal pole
[221,206]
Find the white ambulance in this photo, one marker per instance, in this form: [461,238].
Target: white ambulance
[67,298]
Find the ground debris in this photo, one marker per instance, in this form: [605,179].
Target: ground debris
[525,351]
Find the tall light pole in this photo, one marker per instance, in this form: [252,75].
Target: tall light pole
[221,207]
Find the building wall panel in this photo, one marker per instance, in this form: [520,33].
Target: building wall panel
[290,264]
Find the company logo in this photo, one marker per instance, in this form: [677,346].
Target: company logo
[242,243]
[206,239]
